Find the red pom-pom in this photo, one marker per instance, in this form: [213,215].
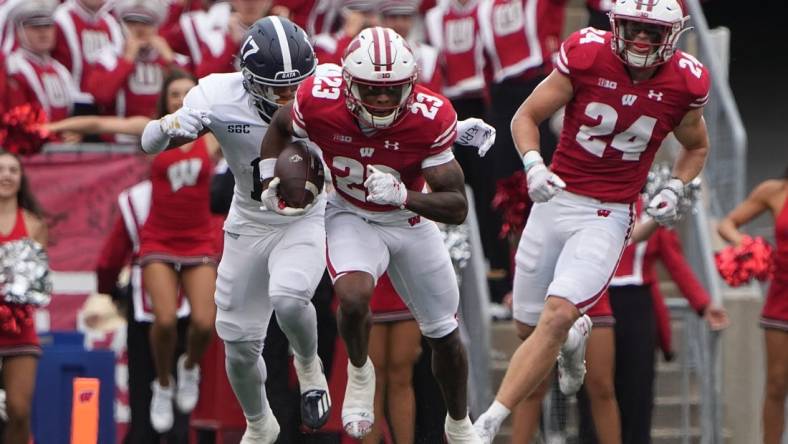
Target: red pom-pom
[740,264]
[5,313]
[22,131]
[13,317]
[511,199]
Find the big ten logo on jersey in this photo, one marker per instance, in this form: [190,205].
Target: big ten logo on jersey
[184,173]
[55,90]
[507,17]
[459,35]
[146,80]
[92,43]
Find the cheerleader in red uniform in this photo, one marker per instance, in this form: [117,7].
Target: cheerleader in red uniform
[772,196]
[20,217]
[394,348]
[177,247]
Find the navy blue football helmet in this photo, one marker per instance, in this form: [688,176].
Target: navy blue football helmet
[275,53]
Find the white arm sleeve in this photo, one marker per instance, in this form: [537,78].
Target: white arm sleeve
[153,138]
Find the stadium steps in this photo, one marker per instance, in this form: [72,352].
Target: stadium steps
[667,415]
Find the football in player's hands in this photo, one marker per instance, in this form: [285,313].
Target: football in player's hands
[300,173]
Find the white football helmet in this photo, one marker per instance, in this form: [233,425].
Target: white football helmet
[662,20]
[379,58]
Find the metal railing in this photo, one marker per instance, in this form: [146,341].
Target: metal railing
[725,170]
[724,187]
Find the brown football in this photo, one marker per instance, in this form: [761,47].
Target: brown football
[300,173]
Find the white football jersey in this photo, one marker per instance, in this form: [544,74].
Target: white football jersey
[239,129]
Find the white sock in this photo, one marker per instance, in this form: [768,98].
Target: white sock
[303,361]
[458,425]
[496,414]
[498,410]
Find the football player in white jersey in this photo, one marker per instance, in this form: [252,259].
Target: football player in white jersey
[273,257]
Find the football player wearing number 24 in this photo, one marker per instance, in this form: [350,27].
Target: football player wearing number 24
[273,258]
[624,91]
[383,137]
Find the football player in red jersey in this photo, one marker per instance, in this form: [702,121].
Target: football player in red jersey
[624,91]
[384,138]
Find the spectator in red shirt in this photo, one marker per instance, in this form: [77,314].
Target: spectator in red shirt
[129,83]
[34,77]
[84,29]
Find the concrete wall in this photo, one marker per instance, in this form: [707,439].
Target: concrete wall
[743,371]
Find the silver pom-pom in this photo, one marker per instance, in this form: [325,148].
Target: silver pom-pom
[658,177]
[24,273]
[456,240]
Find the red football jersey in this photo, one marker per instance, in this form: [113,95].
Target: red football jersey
[422,138]
[81,36]
[454,32]
[180,212]
[42,81]
[614,127]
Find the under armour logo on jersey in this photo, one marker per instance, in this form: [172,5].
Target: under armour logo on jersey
[184,173]
[414,220]
[295,158]
[391,145]
[367,151]
[628,99]
[655,95]
[603,213]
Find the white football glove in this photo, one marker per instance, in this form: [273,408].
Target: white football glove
[185,123]
[543,184]
[476,133]
[384,188]
[664,206]
[272,201]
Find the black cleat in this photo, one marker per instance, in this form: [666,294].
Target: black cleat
[315,408]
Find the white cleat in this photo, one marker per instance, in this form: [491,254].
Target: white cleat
[572,364]
[188,386]
[461,432]
[161,415]
[315,399]
[262,431]
[486,428]
[358,409]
